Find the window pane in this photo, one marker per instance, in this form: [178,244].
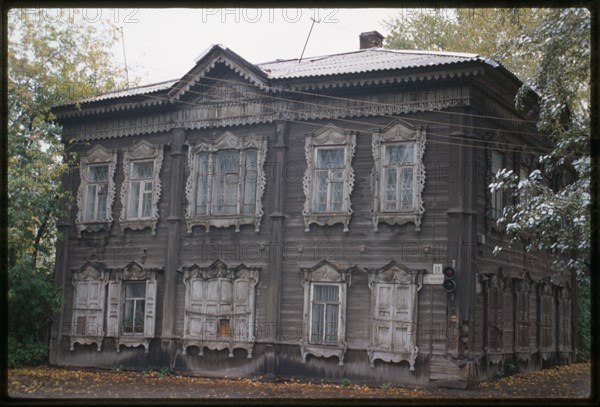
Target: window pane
[331,323]
[225,182]
[98,173]
[134,198]
[337,189]
[330,158]
[250,182]
[406,188]
[390,182]
[128,317]
[142,170]
[317,323]
[327,293]
[202,182]
[399,154]
[139,316]
[102,190]
[147,205]
[90,202]
[321,191]
[135,289]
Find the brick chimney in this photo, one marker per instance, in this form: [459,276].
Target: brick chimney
[371,39]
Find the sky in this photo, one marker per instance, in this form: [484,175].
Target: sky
[162,44]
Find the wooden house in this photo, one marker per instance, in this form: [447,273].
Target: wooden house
[328,217]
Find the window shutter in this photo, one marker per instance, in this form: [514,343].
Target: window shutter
[383,317]
[79,326]
[212,302]
[94,304]
[114,305]
[196,316]
[241,329]
[403,323]
[150,311]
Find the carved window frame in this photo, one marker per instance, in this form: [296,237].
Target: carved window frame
[397,279]
[143,151]
[325,273]
[546,318]
[522,288]
[396,133]
[133,272]
[494,285]
[97,155]
[227,141]
[238,311]
[564,304]
[95,277]
[329,136]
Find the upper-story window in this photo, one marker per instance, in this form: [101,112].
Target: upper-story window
[329,177]
[96,190]
[141,187]
[226,182]
[497,197]
[398,175]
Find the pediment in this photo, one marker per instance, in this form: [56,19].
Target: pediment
[393,272]
[398,130]
[329,134]
[99,154]
[90,270]
[219,269]
[219,75]
[326,271]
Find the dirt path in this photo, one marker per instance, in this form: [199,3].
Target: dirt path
[46,382]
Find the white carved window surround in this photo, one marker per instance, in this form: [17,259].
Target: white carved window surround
[325,289]
[398,174]
[394,309]
[226,182]
[219,307]
[89,294]
[546,317]
[96,192]
[564,318]
[329,177]
[131,316]
[141,187]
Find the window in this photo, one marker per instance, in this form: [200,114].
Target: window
[325,313]
[140,194]
[219,307]
[96,190]
[133,315]
[398,175]
[497,201]
[494,297]
[545,317]
[141,187]
[329,177]
[524,175]
[394,302]
[226,182]
[89,284]
[564,319]
[132,306]
[522,287]
[325,286]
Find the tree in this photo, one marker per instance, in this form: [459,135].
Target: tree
[50,60]
[550,50]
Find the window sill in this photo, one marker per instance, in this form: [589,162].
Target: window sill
[327,219]
[223,221]
[132,341]
[93,226]
[324,351]
[395,357]
[86,340]
[217,345]
[397,218]
[139,224]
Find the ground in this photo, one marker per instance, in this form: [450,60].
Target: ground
[47,382]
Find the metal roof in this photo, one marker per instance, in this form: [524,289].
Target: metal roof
[366,60]
[362,61]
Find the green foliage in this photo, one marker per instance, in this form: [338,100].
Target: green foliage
[346,382]
[28,351]
[164,371]
[117,369]
[386,385]
[148,371]
[48,62]
[549,49]
[500,373]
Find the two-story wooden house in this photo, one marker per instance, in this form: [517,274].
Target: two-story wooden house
[304,218]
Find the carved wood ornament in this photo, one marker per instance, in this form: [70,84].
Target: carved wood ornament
[97,155]
[219,307]
[140,152]
[394,305]
[328,136]
[398,132]
[227,141]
